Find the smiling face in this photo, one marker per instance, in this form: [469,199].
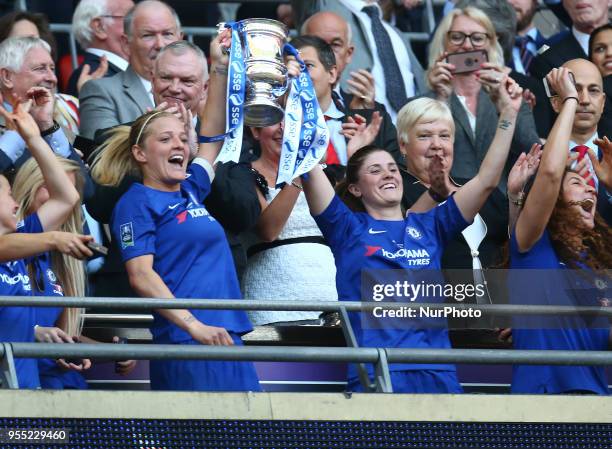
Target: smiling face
[602,52]
[322,79]
[426,140]
[37,69]
[379,183]
[163,154]
[270,140]
[179,79]
[8,208]
[580,196]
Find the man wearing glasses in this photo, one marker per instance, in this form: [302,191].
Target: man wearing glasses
[149,26]
[98,28]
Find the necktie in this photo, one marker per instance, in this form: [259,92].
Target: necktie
[582,151]
[394,83]
[526,56]
[331,157]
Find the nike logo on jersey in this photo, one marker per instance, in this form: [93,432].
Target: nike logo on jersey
[372,231]
[174,206]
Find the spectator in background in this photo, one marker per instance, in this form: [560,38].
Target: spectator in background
[528,38]
[558,231]
[576,44]
[24,23]
[149,26]
[600,53]
[98,28]
[26,64]
[320,60]
[287,255]
[379,48]
[426,128]
[465,30]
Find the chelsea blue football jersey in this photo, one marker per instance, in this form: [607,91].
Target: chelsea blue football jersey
[17,323]
[539,278]
[190,250]
[363,244]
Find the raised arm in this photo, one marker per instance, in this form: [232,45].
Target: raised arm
[63,196]
[541,200]
[319,192]
[507,96]
[212,116]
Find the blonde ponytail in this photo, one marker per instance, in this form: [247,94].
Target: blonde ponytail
[113,161]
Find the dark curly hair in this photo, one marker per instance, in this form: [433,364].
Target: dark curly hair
[593,249]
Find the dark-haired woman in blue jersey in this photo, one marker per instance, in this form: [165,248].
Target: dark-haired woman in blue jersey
[371,232]
[561,251]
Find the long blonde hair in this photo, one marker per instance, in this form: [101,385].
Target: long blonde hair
[438,43]
[113,161]
[70,272]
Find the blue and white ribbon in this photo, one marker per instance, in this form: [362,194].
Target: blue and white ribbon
[305,137]
[236,87]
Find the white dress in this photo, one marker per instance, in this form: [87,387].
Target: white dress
[293,271]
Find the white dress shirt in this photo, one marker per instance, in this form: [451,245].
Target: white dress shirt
[334,124]
[148,87]
[582,38]
[399,48]
[113,58]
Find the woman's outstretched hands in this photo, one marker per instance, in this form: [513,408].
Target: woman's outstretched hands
[525,166]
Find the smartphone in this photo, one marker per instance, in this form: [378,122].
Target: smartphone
[550,92]
[97,249]
[467,61]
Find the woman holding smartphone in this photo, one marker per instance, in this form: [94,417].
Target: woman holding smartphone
[460,33]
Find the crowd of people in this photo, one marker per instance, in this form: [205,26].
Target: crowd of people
[496,155]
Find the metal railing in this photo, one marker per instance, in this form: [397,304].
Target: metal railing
[380,357]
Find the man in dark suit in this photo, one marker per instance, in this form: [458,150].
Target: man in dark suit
[98,28]
[379,49]
[320,59]
[108,102]
[575,44]
[359,98]
[528,38]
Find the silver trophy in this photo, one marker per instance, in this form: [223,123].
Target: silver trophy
[266,74]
